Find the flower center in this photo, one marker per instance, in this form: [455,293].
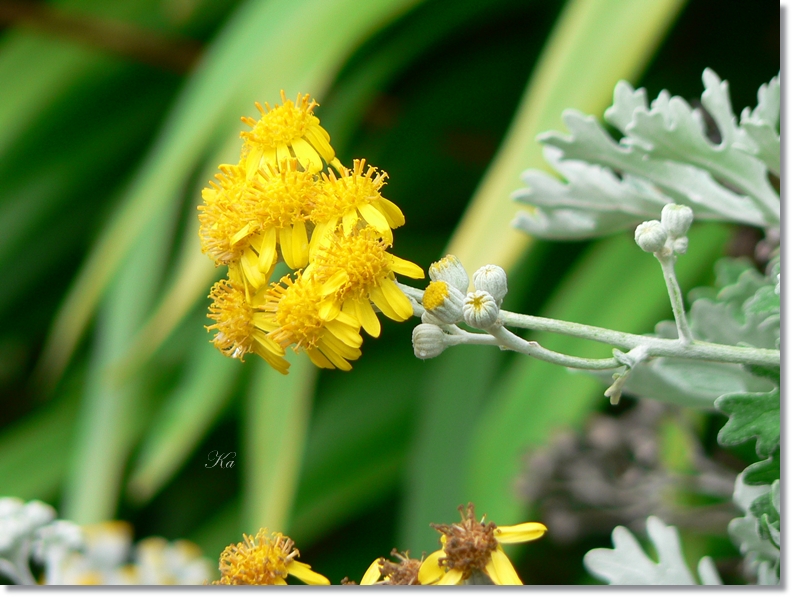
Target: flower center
[435,295]
[349,191]
[223,214]
[362,256]
[469,544]
[259,560]
[234,317]
[296,310]
[282,196]
[283,124]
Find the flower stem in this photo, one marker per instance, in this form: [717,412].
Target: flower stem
[675,294]
[656,347]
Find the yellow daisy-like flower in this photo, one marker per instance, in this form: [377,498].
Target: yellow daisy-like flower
[238,326]
[286,131]
[264,560]
[350,197]
[292,318]
[472,546]
[385,572]
[278,207]
[355,270]
[225,221]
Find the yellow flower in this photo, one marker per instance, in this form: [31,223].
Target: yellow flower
[238,325]
[292,318]
[291,127]
[355,270]
[225,223]
[472,546]
[264,560]
[384,572]
[278,207]
[350,197]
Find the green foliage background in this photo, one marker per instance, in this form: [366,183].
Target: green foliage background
[112,396]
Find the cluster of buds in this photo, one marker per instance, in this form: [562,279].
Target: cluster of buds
[447,301]
[290,200]
[668,235]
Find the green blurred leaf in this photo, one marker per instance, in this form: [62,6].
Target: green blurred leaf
[184,418]
[593,45]
[275,422]
[764,472]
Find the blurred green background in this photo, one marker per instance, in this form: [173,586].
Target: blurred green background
[113,115]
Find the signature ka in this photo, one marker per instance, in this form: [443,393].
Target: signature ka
[219,459]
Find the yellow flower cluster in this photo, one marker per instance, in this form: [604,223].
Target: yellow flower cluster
[290,199]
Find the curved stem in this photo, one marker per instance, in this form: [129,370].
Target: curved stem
[656,347]
[675,294]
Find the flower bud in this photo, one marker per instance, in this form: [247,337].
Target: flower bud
[680,245]
[428,341]
[480,310]
[651,236]
[450,270]
[443,301]
[676,219]
[491,279]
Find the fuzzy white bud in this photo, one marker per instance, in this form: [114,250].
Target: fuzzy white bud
[680,245]
[676,219]
[480,310]
[428,341]
[491,279]
[449,269]
[651,236]
[443,301]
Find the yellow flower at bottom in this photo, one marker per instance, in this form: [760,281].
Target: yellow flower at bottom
[264,560]
[472,546]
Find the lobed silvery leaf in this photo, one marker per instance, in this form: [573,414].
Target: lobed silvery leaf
[765,471]
[628,564]
[665,156]
[696,384]
[761,555]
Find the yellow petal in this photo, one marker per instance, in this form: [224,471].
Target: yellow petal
[392,212]
[252,160]
[279,581]
[350,220]
[374,217]
[336,359]
[520,533]
[329,309]
[307,155]
[367,318]
[334,282]
[299,245]
[348,320]
[343,350]
[406,268]
[242,233]
[282,154]
[500,569]
[431,571]
[452,577]
[378,297]
[319,138]
[397,299]
[285,238]
[267,252]
[372,575]
[320,232]
[345,333]
[305,574]
[318,359]
[250,270]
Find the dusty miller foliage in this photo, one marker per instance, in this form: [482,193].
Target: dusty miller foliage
[725,169]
